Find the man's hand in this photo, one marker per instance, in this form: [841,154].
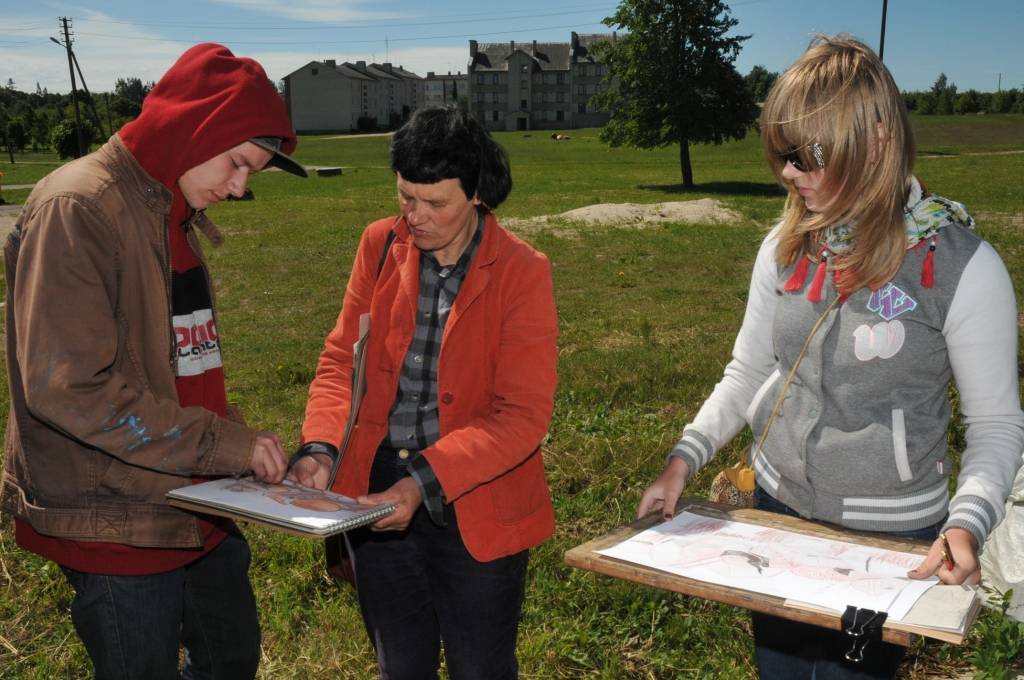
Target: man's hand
[268,462]
[313,470]
[406,497]
[965,560]
[665,491]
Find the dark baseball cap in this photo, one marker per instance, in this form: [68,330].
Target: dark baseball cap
[279,159]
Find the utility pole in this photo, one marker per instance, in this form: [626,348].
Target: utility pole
[881,40]
[92,102]
[999,85]
[74,85]
[110,121]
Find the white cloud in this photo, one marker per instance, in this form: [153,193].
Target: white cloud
[311,10]
[108,48]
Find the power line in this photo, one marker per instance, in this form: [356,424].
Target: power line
[363,27]
[345,42]
[370,23]
[7,29]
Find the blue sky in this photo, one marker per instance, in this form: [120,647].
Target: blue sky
[971,42]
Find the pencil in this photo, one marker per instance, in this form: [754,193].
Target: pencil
[947,553]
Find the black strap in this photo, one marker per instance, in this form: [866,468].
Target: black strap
[384,253]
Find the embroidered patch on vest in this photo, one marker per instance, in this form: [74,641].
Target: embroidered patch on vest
[883,340]
[889,302]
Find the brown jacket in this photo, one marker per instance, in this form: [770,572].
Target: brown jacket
[95,435]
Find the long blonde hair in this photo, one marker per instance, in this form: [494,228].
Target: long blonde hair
[839,94]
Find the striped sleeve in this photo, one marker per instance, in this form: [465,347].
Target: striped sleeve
[981,335]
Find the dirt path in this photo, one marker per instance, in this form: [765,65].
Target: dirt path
[8,213]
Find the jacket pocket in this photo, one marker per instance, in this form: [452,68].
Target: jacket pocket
[759,399]
[520,491]
[899,445]
[117,480]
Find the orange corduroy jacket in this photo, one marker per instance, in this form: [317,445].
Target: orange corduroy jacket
[495,384]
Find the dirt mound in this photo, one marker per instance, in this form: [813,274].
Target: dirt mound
[704,211]
[634,215]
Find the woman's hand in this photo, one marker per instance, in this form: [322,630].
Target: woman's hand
[405,495]
[313,471]
[665,491]
[965,560]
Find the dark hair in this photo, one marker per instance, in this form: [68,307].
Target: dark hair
[446,143]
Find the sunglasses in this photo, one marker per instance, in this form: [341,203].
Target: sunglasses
[791,156]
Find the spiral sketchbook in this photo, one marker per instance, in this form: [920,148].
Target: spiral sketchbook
[288,506]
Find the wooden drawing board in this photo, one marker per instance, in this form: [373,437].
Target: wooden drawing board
[585,556]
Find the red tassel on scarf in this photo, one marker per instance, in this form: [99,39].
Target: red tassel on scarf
[814,292]
[928,267]
[796,281]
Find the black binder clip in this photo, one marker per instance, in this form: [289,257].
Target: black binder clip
[862,626]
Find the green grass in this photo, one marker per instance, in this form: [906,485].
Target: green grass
[647,321]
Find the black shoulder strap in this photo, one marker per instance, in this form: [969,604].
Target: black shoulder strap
[384,253]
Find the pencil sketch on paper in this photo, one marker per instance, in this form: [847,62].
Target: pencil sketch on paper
[289,493]
[823,572]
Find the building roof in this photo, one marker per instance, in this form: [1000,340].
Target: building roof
[586,42]
[546,56]
[348,70]
[396,71]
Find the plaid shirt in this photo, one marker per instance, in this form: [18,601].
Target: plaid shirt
[413,423]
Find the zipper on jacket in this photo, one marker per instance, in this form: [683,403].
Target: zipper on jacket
[206,274]
[173,354]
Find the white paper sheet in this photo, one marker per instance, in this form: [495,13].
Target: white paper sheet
[821,572]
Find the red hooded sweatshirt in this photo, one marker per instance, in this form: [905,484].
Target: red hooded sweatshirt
[209,102]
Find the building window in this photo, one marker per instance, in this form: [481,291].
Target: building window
[494,97]
[522,104]
[315,70]
[581,90]
[494,79]
[560,78]
[480,78]
[559,114]
[494,115]
[582,108]
[599,68]
[522,84]
[560,97]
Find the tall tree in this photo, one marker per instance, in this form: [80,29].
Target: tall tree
[671,77]
[128,96]
[760,81]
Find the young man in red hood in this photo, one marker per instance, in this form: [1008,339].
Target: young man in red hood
[117,389]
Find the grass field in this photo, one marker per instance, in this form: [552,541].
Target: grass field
[647,320]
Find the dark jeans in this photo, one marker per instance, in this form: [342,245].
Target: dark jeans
[790,650]
[420,586]
[132,626]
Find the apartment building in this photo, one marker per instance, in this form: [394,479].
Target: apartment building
[445,90]
[324,96]
[536,86]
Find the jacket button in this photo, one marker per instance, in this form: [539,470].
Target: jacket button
[403,453]
[447,398]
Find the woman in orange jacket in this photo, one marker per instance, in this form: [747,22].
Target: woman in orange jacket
[460,377]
